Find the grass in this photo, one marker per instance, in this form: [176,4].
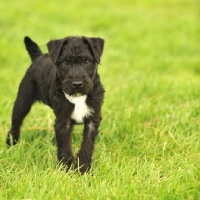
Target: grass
[149,144]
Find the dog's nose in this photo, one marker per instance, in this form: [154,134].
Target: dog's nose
[77,84]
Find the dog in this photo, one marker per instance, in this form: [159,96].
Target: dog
[66,79]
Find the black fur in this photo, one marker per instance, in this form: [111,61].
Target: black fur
[70,68]
[32,48]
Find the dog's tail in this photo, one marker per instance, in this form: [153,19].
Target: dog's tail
[32,48]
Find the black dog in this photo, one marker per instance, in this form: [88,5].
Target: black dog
[66,79]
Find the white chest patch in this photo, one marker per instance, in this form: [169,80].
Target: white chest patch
[81,110]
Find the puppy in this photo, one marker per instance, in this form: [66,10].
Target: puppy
[65,79]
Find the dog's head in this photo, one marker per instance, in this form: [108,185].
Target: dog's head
[76,60]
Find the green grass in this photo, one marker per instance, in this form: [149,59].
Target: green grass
[149,141]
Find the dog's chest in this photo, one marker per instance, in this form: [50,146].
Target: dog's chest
[81,109]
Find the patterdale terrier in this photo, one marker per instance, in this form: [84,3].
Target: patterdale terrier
[66,79]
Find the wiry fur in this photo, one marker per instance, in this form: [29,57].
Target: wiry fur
[69,69]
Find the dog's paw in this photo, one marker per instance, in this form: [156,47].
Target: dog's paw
[85,168]
[66,164]
[9,140]
[82,166]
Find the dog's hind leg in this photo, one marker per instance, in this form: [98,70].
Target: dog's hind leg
[22,105]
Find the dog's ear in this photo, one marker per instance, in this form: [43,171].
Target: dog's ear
[54,48]
[96,46]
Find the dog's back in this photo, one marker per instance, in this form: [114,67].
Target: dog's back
[32,48]
[40,73]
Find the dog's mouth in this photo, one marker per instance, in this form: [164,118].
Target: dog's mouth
[77,95]
[74,93]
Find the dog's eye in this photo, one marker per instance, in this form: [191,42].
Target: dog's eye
[65,63]
[87,62]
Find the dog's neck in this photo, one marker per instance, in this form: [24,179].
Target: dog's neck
[81,109]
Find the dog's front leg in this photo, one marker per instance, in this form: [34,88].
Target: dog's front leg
[63,130]
[87,146]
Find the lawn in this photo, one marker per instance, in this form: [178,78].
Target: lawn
[149,141]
